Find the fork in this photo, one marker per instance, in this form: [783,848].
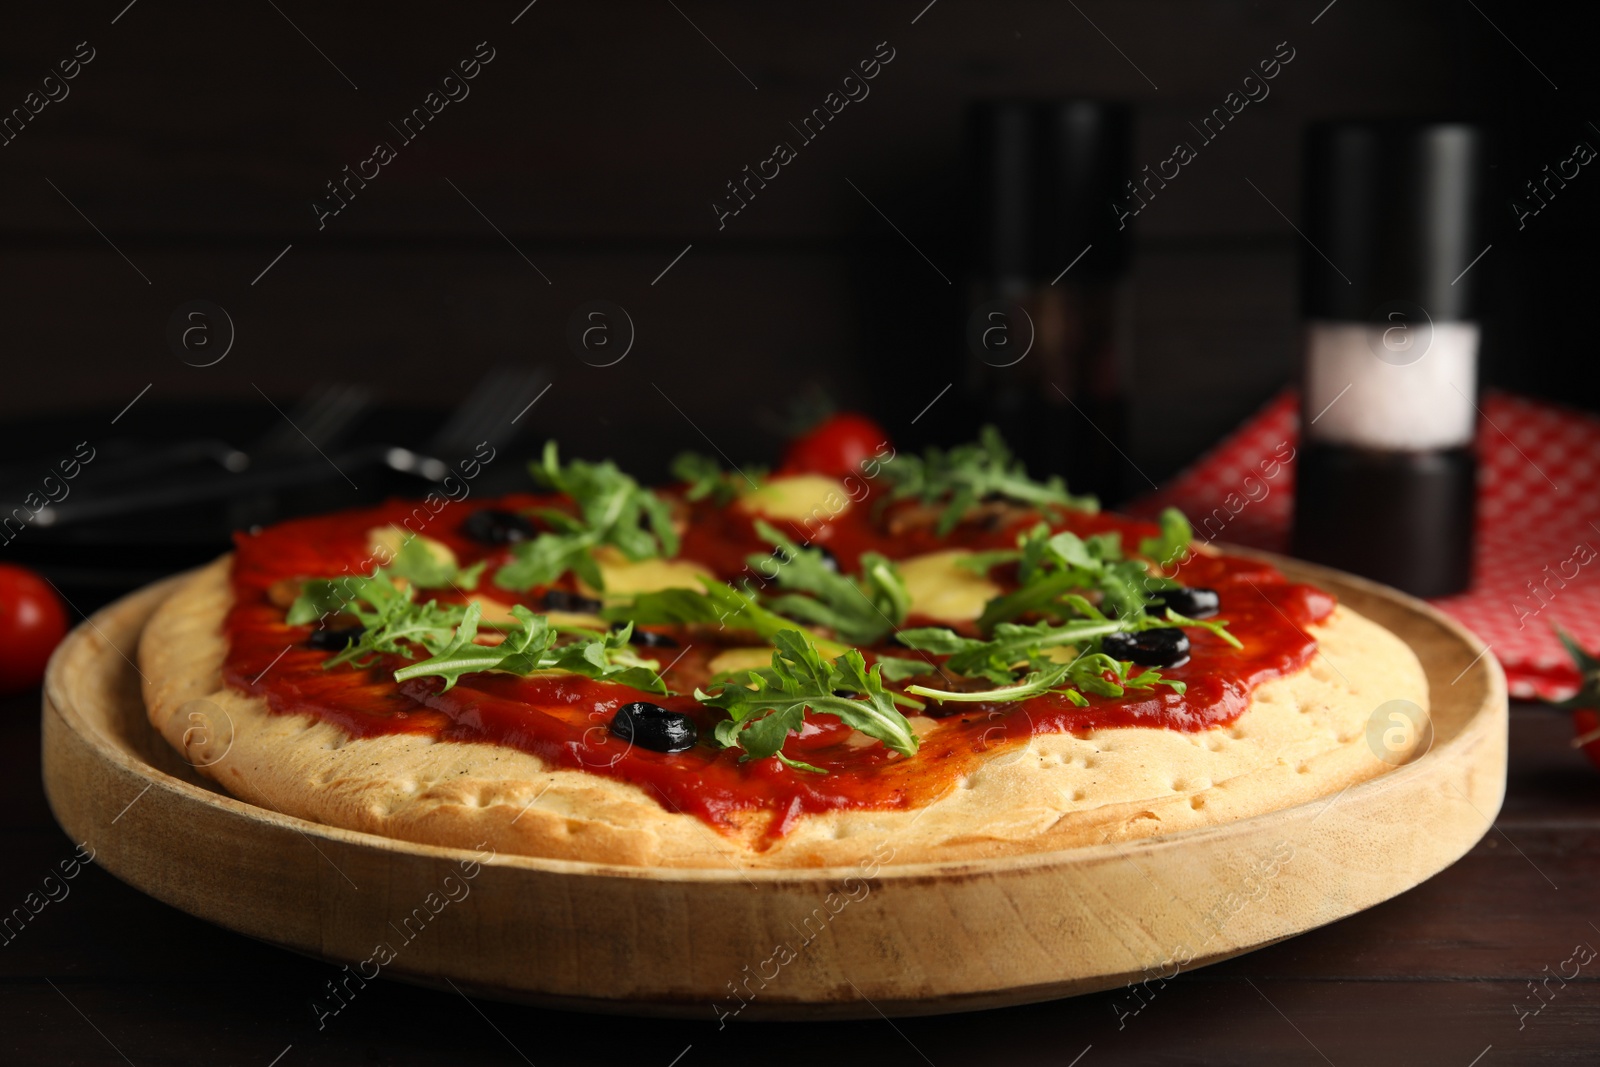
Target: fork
[486,415]
[318,420]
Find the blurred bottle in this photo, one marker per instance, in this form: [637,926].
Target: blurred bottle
[1045,346]
[1387,475]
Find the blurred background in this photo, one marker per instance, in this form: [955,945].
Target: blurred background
[197,164]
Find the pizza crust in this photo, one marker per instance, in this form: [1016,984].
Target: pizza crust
[1303,737]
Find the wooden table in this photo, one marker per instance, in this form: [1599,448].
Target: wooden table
[1441,975]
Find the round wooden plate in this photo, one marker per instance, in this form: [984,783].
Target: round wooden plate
[817,943]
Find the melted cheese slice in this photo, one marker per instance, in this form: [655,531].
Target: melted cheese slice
[495,611]
[384,544]
[626,577]
[741,659]
[801,497]
[941,590]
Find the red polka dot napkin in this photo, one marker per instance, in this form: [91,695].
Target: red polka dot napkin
[1538,550]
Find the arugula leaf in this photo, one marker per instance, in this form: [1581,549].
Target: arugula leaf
[860,610]
[418,563]
[967,474]
[531,647]
[899,668]
[384,603]
[1176,535]
[1015,659]
[430,625]
[611,657]
[1127,588]
[394,623]
[1012,644]
[983,562]
[669,607]
[939,640]
[613,510]
[1216,626]
[415,562]
[1054,567]
[761,716]
[461,656]
[321,597]
[704,477]
[885,586]
[1087,673]
[544,558]
[391,620]
[1035,683]
[1050,566]
[720,603]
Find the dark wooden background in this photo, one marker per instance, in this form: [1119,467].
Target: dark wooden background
[199,136]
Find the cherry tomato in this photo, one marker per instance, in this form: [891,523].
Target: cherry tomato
[1586,723]
[837,446]
[32,623]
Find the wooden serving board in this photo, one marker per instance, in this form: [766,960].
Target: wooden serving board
[821,943]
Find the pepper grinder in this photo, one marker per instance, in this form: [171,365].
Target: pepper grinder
[1046,294]
[1387,473]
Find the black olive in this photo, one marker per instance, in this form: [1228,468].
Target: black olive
[494,526]
[1166,646]
[648,638]
[654,727]
[562,600]
[333,640]
[1190,603]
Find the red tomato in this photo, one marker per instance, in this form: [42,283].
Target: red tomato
[1586,723]
[837,446]
[32,623]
